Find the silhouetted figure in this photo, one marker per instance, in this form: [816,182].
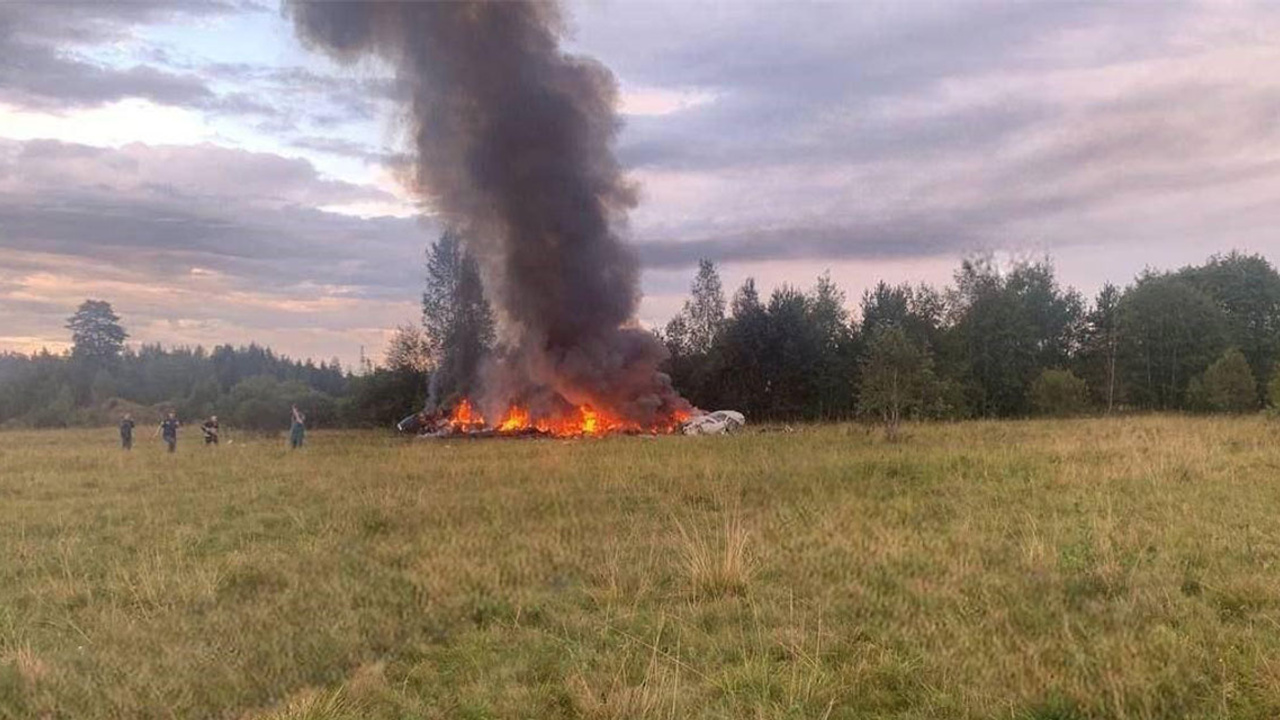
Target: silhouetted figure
[169,430]
[297,428]
[210,430]
[126,431]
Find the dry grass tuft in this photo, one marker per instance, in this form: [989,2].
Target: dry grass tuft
[313,704]
[369,680]
[614,699]
[717,565]
[620,695]
[30,668]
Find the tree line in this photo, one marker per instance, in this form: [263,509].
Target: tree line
[252,387]
[997,342]
[101,378]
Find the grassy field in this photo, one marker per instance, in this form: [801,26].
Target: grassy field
[1074,569]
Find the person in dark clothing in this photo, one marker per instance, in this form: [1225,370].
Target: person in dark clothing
[210,430]
[297,428]
[169,429]
[126,431]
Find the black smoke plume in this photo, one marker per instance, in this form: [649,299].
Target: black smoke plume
[514,146]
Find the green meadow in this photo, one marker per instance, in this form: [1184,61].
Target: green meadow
[1119,568]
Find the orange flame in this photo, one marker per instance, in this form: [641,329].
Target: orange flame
[466,417]
[583,421]
[517,419]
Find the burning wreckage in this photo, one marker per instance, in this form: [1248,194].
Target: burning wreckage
[512,148]
[467,422]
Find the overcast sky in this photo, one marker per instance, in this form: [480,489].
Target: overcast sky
[195,166]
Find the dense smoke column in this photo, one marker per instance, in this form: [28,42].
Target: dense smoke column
[514,147]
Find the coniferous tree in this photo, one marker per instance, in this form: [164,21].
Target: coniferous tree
[885,306]
[837,361]
[1099,354]
[792,353]
[458,319]
[692,335]
[96,333]
[741,382]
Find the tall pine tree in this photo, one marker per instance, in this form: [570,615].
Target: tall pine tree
[457,317]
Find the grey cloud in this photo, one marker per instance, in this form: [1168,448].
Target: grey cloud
[88,21]
[201,173]
[992,222]
[44,80]
[300,95]
[905,238]
[161,212]
[46,52]
[792,84]
[866,131]
[271,251]
[302,80]
[39,65]
[795,55]
[47,309]
[242,103]
[719,139]
[341,147]
[1129,155]
[43,64]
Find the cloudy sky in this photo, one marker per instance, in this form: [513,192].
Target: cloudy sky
[196,166]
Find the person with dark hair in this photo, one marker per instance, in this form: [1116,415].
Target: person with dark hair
[169,429]
[297,428]
[210,430]
[126,431]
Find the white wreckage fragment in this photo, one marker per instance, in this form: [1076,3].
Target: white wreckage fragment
[720,422]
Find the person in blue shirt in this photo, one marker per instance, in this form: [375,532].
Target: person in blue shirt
[169,430]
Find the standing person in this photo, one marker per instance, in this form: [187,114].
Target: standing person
[169,429]
[210,430]
[297,428]
[126,431]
